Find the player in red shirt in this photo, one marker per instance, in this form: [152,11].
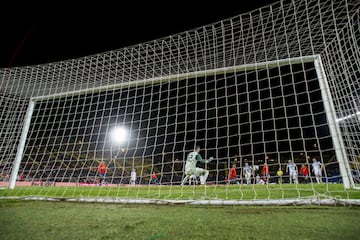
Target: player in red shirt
[304,171]
[265,171]
[232,175]
[154,179]
[102,171]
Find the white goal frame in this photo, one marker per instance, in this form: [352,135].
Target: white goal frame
[335,133]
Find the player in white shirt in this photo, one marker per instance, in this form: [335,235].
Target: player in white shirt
[133,176]
[247,173]
[291,168]
[316,169]
[191,169]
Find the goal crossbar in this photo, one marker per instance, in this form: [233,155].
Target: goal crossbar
[183,76]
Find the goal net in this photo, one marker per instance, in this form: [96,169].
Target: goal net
[271,95]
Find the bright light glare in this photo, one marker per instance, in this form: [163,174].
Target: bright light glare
[347,117]
[119,134]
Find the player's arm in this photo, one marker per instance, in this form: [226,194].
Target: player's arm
[200,159]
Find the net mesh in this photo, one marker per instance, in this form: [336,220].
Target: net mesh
[276,84]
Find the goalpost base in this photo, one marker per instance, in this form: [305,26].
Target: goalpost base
[280,202]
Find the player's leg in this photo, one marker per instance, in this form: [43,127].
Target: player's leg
[101,178]
[202,172]
[295,178]
[192,180]
[201,179]
[204,177]
[317,176]
[188,173]
[290,177]
[248,180]
[185,179]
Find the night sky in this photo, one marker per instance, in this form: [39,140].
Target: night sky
[41,33]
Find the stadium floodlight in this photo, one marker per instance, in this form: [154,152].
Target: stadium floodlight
[119,134]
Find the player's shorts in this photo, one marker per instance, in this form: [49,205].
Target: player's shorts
[317,172]
[101,174]
[293,174]
[194,171]
[247,175]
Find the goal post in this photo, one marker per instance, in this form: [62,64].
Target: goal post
[21,145]
[333,125]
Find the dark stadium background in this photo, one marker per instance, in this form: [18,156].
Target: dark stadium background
[36,33]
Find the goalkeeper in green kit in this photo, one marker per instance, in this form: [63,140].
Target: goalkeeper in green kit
[191,169]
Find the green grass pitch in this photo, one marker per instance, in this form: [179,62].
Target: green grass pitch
[220,192]
[75,220]
[66,220]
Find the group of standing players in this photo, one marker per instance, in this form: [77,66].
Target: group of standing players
[192,172]
[293,171]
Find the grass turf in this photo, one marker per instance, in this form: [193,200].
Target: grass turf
[64,220]
[223,192]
